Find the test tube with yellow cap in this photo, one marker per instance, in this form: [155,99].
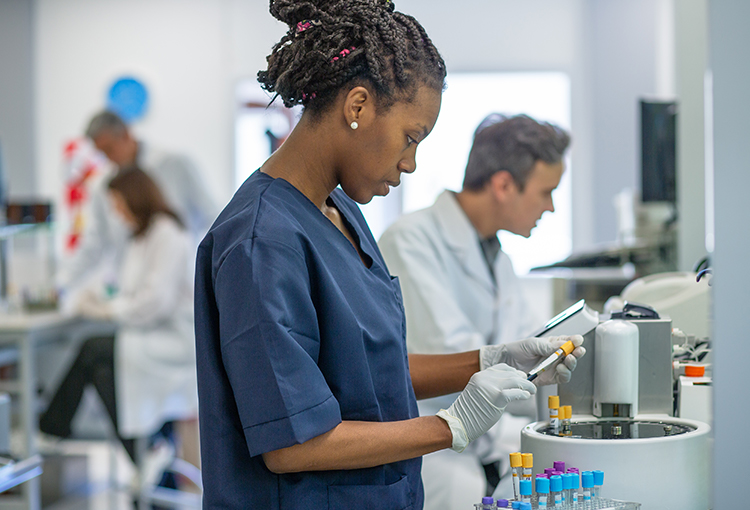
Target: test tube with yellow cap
[528,465]
[566,412]
[553,402]
[516,464]
[553,358]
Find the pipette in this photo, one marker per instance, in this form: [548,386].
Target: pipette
[563,350]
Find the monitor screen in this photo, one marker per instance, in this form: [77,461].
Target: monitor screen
[561,317]
[658,126]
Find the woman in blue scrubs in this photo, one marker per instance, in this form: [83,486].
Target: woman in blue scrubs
[307,394]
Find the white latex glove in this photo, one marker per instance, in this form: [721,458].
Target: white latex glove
[482,402]
[527,354]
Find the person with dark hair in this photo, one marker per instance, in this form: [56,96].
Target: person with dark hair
[104,236]
[307,397]
[460,290]
[145,374]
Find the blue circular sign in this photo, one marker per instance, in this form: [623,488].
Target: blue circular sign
[128,98]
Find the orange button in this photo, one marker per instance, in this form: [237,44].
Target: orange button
[694,370]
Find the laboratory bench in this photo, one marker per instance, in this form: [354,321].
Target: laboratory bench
[21,336]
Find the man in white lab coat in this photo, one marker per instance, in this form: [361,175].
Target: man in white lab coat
[104,236]
[460,290]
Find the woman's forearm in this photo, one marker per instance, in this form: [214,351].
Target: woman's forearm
[359,444]
[362,444]
[433,375]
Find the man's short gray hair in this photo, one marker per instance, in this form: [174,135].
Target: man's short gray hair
[105,121]
[513,144]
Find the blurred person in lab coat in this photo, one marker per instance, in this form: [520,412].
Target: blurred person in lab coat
[104,235]
[145,374]
[460,290]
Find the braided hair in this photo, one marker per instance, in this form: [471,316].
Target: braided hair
[332,44]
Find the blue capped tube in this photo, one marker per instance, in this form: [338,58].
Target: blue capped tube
[598,482]
[587,480]
[574,483]
[567,485]
[555,488]
[542,492]
[525,490]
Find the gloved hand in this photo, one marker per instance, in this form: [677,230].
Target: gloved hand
[90,305]
[482,402]
[527,354]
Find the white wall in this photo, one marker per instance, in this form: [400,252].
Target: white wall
[624,53]
[191,52]
[729,40]
[692,48]
[188,52]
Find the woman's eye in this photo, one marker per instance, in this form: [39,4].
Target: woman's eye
[410,140]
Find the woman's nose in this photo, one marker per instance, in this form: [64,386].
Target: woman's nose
[407,165]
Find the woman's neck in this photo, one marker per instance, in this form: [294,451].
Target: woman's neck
[306,160]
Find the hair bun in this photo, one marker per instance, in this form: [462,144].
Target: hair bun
[353,41]
[292,12]
[389,5]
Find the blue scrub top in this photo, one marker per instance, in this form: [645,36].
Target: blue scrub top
[294,334]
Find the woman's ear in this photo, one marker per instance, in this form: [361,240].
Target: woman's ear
[359,107]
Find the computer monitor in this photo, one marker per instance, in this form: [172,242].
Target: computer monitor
[658,146]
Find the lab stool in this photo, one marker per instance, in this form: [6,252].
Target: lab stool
[151,494]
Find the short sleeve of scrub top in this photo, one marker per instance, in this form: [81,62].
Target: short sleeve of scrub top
[295,334]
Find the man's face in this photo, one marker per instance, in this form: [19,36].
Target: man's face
[116,146]
[526,207]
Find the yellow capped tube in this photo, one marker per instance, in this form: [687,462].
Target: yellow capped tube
[565,414]
[516,464]
[561,352]
[553,402]
[528,464]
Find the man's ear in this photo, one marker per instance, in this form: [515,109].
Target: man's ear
[502,184]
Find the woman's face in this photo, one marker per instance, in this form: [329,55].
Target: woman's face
[121,208]
[385,147]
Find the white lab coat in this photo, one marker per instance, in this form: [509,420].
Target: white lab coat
[155,379]
[104,236]
[453,304]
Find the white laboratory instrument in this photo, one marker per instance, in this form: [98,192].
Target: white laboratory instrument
[622,398]
[676,295]
[616,369]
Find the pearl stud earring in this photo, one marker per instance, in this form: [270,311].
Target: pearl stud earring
[354,125]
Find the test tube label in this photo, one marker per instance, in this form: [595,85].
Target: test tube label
[558,500]
[586,494]
[542,501]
